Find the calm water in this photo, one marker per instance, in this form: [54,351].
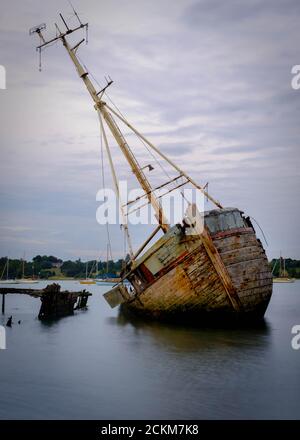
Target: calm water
[97,366]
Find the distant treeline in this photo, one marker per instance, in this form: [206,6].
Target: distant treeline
[49,266]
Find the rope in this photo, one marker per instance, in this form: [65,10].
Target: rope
[260,230]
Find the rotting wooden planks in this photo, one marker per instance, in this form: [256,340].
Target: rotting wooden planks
[55,303]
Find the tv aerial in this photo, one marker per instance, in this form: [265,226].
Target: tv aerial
[60,35]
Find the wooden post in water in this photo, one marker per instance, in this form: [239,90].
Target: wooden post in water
[3,303]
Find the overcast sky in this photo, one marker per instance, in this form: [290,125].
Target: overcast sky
[208,81]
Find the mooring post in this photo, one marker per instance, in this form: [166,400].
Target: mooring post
[3,303]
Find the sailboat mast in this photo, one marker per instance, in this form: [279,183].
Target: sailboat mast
[7,268]
[280,266]
[107,250]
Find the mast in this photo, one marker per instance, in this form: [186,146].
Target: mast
[113,172]
[7,268]
[139,174]
[280,265]
[107,113]
[100,107]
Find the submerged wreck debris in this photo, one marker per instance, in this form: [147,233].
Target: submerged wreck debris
[55,302]
[210,266]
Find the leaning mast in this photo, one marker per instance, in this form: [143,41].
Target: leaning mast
[107,114]
[100,107]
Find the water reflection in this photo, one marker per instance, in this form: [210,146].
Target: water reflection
[189,338]
[99,364]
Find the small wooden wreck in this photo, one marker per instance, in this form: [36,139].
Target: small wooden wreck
[211,265]
[55,303]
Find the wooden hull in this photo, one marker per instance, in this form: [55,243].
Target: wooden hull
[190,288]
[87,282]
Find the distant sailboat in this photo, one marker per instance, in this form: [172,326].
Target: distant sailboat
[108,278]
[87,279]
[7,281]
[24,280]
[283,274]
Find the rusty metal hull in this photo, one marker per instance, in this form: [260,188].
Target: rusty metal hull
[189,286]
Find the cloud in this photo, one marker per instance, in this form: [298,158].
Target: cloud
[15,228]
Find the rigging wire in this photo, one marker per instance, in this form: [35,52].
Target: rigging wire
[148,149]
[124,247]
[138,137]
[109,250]
[260,230]
[117,108]
[103,186]
[143,142]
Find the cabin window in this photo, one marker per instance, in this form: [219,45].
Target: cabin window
[138,279]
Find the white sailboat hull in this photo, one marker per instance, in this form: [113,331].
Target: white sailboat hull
[27,281]
[9,281]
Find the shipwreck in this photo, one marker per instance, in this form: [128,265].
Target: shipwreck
[209,266]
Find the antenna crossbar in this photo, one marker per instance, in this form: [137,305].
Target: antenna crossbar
[62,35]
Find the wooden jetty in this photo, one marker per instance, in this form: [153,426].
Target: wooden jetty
[55,302]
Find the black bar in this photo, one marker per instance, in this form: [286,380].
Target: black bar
[141,429]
